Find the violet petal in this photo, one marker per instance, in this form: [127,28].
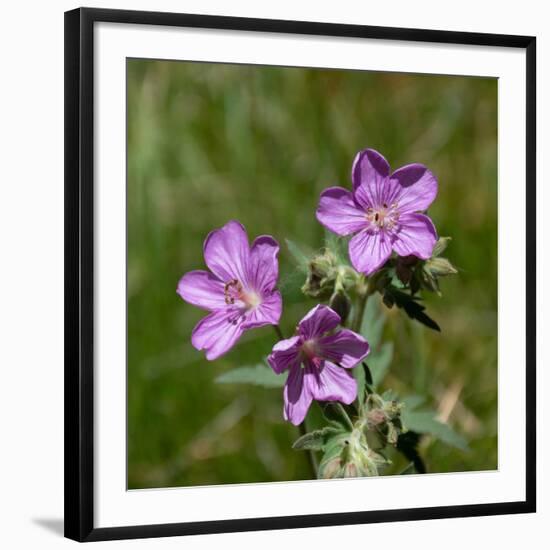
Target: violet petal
[416,236]
[345,347]
[318,321]
[297,396]
[417,188]
[369,250]
[202,289]
[285,355]
[334,383]
[267,313]
[217,332]
[226,252]
[263,268]
[338,212]
[369,168]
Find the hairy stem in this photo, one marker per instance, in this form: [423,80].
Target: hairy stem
[312,459]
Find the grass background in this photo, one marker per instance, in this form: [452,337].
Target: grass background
[208,143]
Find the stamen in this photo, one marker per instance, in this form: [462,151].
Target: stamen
[234,291]
[383,217]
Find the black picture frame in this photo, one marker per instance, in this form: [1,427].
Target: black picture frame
[79,272]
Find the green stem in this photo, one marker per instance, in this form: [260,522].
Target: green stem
[360,305]
[359,311]
[312,460]
[279,332]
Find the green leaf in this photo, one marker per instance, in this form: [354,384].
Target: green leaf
[368,374]
[290,285]
[423,421]
[389,395]
[315,440]
[257,375]
[393,296]
[372,323]
[359,375]
[363,376]
[379,362]
[300,255]
[338,246]
[412,402]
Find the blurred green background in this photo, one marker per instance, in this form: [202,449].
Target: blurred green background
[208,143]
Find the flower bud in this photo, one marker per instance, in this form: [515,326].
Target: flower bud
[382,421]
[350,456]
[376,417]
[440,267]
[351,470]
[440,246]
[426,273]
[331,469]
[321,278]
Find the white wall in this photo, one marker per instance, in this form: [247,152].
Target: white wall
[31,270]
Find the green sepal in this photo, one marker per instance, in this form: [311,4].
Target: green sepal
[316,440]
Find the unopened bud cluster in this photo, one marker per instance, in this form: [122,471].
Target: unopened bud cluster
[425,274]
[328,279]
[350,456]
[382,424]
[358,453]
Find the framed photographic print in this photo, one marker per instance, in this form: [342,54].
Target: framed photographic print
[300,274]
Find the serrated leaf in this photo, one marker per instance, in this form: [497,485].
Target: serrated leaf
[257,375]
[315,440]
[410,305]
[424,421]
[379,362]
[300,255]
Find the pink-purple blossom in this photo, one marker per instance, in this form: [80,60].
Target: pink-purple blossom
[239,292]
[317,359]
[383,212]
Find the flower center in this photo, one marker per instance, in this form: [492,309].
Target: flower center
[234,292]
[383,217]
[309,348]
[251,299]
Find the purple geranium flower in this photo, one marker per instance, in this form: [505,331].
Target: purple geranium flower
[240,291]
[317,359]
[382,212]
